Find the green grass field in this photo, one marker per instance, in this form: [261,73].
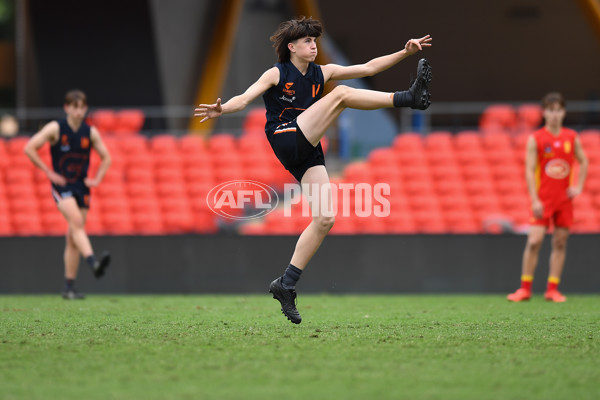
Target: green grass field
[347,347]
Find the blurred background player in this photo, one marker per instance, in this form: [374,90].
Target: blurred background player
[297,118]
[551,152]
[71,140]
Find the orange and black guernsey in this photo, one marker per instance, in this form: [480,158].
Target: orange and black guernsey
[293,94]
[71,159]
[71,153]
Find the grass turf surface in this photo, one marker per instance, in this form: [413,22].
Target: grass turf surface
[347,347]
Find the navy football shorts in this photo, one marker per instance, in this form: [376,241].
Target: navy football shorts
[78,191]
[294,151]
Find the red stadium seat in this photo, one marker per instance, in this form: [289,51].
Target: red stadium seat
[430,222]
[408,142]
[370,225]
[148,224]
[205,221]
[400,222]
[129,122]
[254,122]
[27,224]
[498,115]
[497,141]
[117,222]
[385,157]
[529,117]
[468,140]
[222,142]
[590,139]
[54,224]
[165,143]
[192,143]
[104,120]
[358,172]
[16,145]
[439,141]
[133,144]
[344,226]
[254,143]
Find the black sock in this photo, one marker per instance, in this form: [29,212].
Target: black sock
[290,277]
[91,260]
[403,99]
[69,284]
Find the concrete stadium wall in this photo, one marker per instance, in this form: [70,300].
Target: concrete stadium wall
[344,264]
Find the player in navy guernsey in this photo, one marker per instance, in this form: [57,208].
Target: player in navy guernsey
[298,115]
[71,140]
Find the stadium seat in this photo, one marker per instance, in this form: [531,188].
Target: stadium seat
[104,120]
[497,141]
[6,228]
[133,144]
[276,223]
[430,222]
[148,224]
[461,221]
[16,145]
[344,226]
[408,142]
[371,225]
[498,115]
[439,141]
[590,139]
[254,122]
[358,172]
[27,224]
[529,117]
[140,160]
[192,143]
[129,122]
[118,223]
[400,222]
[468,140]
[205,222]
[197,160]
[222,142]
[54,224]
[254,143]
[164,143]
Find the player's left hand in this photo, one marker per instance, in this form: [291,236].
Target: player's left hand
[573,192]
[415,45]
[89,182]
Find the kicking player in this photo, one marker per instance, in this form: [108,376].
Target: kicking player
[298,115]
[70,142]
[551,152]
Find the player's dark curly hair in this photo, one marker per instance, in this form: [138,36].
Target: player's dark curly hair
[289,31]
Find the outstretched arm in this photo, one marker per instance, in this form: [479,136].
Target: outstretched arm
[267,80]
[376,65]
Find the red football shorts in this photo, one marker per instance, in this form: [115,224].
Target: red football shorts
[561,215]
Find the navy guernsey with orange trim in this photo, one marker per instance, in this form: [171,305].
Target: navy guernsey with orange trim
[292,95]
[71,153]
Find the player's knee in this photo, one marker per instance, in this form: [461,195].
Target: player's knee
[325,223]
[559,243]
[341,92]
[76,223]
[534,243]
